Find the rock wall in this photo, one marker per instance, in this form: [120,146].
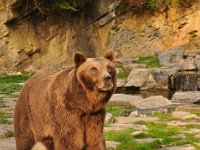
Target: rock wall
[30,40]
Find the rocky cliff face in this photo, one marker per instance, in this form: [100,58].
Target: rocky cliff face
[30,40]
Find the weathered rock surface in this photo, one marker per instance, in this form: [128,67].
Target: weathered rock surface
[147,140]
[36,40]
[124,99]
[140,78]
[183,147]
[183,115]
[153,104]
[186,97]
[111,145]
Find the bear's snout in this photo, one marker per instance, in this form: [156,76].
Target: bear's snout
[107,78]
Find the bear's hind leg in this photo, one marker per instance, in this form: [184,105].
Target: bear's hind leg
[25,141]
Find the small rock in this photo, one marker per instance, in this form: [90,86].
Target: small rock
[134,113]
[183,115]
[18,73]
[111,145]
[109,118]
[137,132]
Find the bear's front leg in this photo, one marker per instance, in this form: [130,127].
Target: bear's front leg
[94,124]
[68,132]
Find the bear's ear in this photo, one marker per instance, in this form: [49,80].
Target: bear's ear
[110,55]
[79,58]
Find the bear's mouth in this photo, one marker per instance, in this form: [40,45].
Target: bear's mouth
[106,87]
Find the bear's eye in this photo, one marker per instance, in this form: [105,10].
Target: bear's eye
[109,69]
[94,69]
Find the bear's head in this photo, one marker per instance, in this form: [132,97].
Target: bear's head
[96,74]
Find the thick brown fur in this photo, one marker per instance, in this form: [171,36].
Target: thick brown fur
[65,110]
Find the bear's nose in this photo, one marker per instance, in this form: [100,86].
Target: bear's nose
[107,78]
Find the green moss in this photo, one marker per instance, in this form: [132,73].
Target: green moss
[118,110]
[150,61]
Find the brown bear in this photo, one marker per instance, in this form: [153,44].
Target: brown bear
[65,110]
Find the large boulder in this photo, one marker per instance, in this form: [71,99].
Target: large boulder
[197,62]
[140,78]
[186,97]
[153,104]
[187,64]
[170,56]
[161,76]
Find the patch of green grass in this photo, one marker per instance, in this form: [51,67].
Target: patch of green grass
[4,118]
[150,61]
[118,110]
[119,136]
[10,84]
[2,104]
[164,116]
[123,73]
[189,139]
[8,88]
[9,133]
[128,142]
[14,78]
[193,126]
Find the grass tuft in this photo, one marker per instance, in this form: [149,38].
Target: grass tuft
[150,61]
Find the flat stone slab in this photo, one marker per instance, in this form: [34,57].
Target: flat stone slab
[184,115]
[119,127]
[125,99]
[182,123]
[7,144]
[147,140]
[129,120]
[183,147]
